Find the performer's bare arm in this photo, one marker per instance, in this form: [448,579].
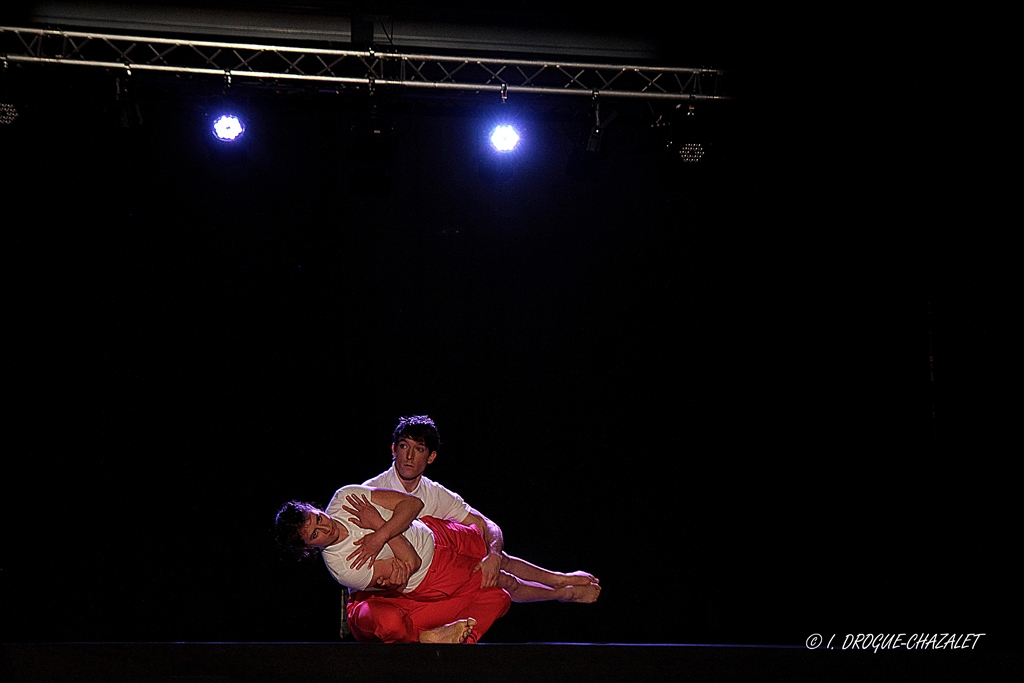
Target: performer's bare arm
[393,573]
[495,542]
[405,509]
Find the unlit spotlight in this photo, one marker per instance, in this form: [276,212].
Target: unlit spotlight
[504,138]
[228,128]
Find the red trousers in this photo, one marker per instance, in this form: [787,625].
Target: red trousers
[450,591]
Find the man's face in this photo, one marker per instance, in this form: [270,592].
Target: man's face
[319,530]
[411,457]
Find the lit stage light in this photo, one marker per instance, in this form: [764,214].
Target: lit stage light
[691,152]
[228,128]
[504,138]
[691,133]
[8,112]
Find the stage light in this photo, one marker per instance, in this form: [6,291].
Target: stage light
[597,130]
[127,110]
[8,112]
[228,128]
[692,147]
[373,150]
[504,138]
[691,152]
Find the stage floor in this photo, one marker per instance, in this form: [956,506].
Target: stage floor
[493,663]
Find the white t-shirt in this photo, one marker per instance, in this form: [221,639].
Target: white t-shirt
[438,501]
[335,556]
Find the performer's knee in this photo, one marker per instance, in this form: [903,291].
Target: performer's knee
[508,581]
[373,620]
[499,598]
[487,606]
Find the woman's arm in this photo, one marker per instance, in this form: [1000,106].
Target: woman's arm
[404,507]
[391,574]
[394,572]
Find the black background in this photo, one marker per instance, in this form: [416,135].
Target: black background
[709,389]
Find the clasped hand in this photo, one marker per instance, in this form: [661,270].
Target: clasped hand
[400,571]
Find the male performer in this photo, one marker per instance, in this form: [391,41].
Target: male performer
[414,446]
[423,586]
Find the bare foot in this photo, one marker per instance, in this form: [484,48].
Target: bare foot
[575,579]
[455,632]
[580,593]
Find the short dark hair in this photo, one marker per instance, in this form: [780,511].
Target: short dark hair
[418,428]
[287,523]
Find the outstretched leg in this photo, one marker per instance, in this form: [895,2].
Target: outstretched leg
[531,572]
[521,590]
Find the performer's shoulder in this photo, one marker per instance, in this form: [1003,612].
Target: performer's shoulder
[431,484]
[352,487]
[349,490]
[380,481]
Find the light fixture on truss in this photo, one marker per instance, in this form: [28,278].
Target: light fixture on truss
[228,128]
[504,138]
[690,144]
[8,109]
[501,144]
[8,113]
[598,129]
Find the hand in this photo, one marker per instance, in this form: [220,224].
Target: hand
[368,548]
[400,571]
[489,566]
[366,515]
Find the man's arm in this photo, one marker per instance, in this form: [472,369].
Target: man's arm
[495,542]
[404,507]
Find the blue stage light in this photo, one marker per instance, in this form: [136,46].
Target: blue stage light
[504,138]
[228,128]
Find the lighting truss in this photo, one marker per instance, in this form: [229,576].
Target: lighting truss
[357,68]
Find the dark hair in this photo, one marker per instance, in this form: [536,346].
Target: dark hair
[289,520]
[418,428]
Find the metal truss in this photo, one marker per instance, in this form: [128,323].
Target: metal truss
[357,68]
